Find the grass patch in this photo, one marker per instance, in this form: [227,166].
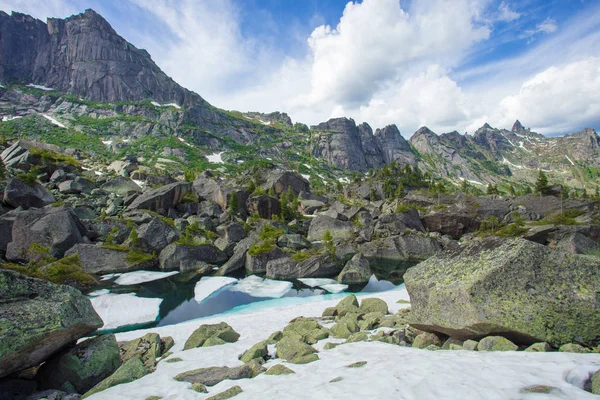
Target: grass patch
[138,257]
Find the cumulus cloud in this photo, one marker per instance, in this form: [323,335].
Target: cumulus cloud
[506,14]
[558,98]
[376,40]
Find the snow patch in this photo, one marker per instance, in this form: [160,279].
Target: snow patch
[209,285]
[55,122]
[31,85]
[307,177]
[155,104]
[523,147]
[344,180]
[256,286]
[400,372]
[215,158]
[317,282]
[505,161]
[109,276]
[133,278]
[568,159]
[99,173]
[117,310]
[7,118]
[182,140]
[334,287]
[108,142]
[141,184]
[99,292]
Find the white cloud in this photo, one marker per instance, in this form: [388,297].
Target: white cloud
[506,14]
[40,9]
[558,98]
[547,26]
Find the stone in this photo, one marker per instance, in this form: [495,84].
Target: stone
[425,339]
[213,341]
[348,304]
[339,142]
[55,228]
[470,345]
[275,337]
[573,348]
[283,268]
[100,260]
[329,312]
[455,343]
[541,347]
[128,372]
[357,337]
[199,387]
[264,206]
[76,186]
[227,394]
[19,194]
[357,364]
[279,369]
[308,330]
[178,257]
[121,185]
[39,318]
[496,343]
[394,250]
[166,343]
[293,241]
[577,243]
[330,345]
[322,223]
[161,199]
[147,348]
[213,375]
[82,366]
[370,305]
[595,381]
[221,330]
[345,327]
[259,350]
[156,235]
[257,264]
[503,286]
[282,181]
[539,389]
[293,349]
[356,271]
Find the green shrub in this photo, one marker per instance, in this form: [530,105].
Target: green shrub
[137,257]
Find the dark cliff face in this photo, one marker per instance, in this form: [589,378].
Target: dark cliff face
[394,148]
[83,55]
[339,142]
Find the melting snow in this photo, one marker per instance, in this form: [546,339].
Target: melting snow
[307,177]
[139,183]
[399,372]
[31,85]
[55,122]
[99,292]
[108,142]
[505,161]
[567,157]
[182,140]
[7,118]
[523,147]
[334,287]
[258,287]
[209,285]
[133,278]
[215,158]
[155,104]
[117,310]
[317,282]
[264,122]
[344,180]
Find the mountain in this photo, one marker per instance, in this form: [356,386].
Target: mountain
[80,75]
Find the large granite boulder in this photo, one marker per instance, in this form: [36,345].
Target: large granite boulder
[121,185]
[282,181]
[38,318]
[322,223]
[395,249]
[451,223]
[156,235]
[356,271]
[395,224]
[515,288]
[82,366]
[56,228]
[101,260]
[264,206]
[257,263]
[178,257]
[318,266]
[161,199]
[17,193]
[76,186]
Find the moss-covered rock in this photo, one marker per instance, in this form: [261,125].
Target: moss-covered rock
[199,387]
[357,337]
[454,346]
[524,289]
[470,345]
[595,380]
[496,343]
[539,389]
[451,341]
[166,343]
[330,345]
[370,321]
[357,364]
[279,369]
[227,394]
[213,375]
[275,337]
[541,347]
[83,366]
[371,305]
[259,350]
[213,341]
[425,339]
[38,318]
[345,327]
[305,359]
[290,349]
[147,348]
[128,372]
[573,348]
[173,360]
[221,330]
[356,271]
[329,312]
[308,329]
[348,304]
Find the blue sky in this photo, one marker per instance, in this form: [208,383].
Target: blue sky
[446,64]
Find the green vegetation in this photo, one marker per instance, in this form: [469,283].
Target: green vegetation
[328,243]
[268,235]
[138,257]
[541,184]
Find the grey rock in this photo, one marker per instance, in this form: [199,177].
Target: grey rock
[121,185]
[264,206]
[356,271]
[258,264]
[18,194]
[293,241]
[99,260]
[156,235]
[321,223]
[39,319]
[282,181]
[161,199]
[56,228]
[177,257]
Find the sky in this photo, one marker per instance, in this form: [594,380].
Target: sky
[445,64]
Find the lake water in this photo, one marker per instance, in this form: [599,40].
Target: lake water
[179,304]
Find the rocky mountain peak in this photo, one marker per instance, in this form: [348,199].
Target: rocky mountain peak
[518,127]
